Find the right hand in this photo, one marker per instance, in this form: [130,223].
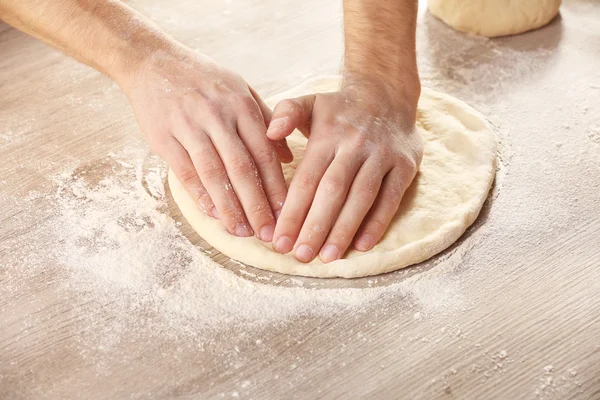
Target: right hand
[363,152]
[210,127]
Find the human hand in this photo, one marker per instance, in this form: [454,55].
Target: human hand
[363,152]
[210,127]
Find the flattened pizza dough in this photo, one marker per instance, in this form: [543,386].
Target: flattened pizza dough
[457,171]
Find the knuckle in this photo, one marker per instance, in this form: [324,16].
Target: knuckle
[305,181]
[220,117]
[242,166]
[344,231]
[407,162]
[385,153]
[393,194]
[396,181]
[245,102]
[265,156]
[231,213]
[277,196]
[214,105]
[258,208]
[188,176]
[315,229]
[360,140]
[366,193]
[289,105]
[332,184]
[184,119]
[209,168]
[330,129]
[201,155]
[290,219]
[213,172]
[376,225]
[224,125]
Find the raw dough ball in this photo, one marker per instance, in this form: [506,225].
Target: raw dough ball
[458,167]
[495,17]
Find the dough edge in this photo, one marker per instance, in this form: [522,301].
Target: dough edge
[367,264]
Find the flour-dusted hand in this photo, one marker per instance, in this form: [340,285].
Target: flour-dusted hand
[210,127]
[363,152]
[205,121]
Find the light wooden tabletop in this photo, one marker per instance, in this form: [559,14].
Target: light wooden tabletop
[512,311]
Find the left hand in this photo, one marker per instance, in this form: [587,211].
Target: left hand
[363,152]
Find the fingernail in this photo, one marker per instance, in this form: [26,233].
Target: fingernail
[283,245]
[277,124]
[241,230]
[277,214]
[215,213]
[329,253]
[364,243]
[202,207]
[266,233]
[304,253]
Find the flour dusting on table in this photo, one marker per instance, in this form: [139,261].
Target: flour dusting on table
[121,247]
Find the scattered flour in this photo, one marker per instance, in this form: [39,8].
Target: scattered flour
[111,238]
[554,385]
[480,79]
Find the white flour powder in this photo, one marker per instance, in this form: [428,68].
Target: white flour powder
[120,246]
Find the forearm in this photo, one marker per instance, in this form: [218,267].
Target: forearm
[380,41]
[107,35]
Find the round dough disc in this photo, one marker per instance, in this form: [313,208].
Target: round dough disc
[495,17]
[458,167]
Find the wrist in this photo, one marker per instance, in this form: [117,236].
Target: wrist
[401,89]
[140,51]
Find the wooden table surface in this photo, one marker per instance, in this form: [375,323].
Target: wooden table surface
[512,311]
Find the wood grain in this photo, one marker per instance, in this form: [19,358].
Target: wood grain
[529,272]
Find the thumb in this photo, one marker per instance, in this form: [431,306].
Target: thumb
[281,148]
[291,114]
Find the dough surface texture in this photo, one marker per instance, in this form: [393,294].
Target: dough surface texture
[457,171]
[495,17]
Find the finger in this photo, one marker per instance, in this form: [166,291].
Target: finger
[284,154]
[244,177]
[291,114]
[180,162]
[253,135]
[361,196]
[383,211]
[264,108]
[300,197]
[283,151]
[213,175]
[328,201]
